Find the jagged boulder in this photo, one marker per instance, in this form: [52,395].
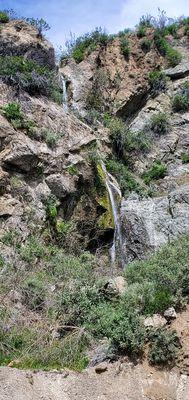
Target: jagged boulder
[61,184]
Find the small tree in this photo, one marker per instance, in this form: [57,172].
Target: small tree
[40,24]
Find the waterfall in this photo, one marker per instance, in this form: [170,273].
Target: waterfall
[64,93]
[116,251]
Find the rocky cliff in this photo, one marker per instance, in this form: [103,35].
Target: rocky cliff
[63,305]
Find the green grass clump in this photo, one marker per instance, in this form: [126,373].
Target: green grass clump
[185,158]
[146,45]
[51,138]
[173,57]
[4,18]
[158,170]
[141,32]
[180,102]
[164,347]
[158,82]
[16,117]
[124,47]
[159,123]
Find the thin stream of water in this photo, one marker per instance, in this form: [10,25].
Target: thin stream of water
[116,251]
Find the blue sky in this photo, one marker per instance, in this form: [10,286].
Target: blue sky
[80,16]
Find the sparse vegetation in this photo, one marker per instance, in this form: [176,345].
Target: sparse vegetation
[158,82]
[51,138]
[78,47]
[124,47]
[40,24]
[124,176]
[180,102]
[185,158]
[125,141]
[28,75]
[146,45]
[158,170]
[172,55]
[14,114]
[141,32]
[159,123]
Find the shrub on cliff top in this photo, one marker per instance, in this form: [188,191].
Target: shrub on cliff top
[4,17]
[40,24]
[77,48]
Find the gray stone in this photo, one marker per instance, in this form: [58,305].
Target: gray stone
[150,223]
[170,313]
[180,71]
[156,321]
[102,367]
[61,185]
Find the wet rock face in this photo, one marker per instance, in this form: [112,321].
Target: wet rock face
[148,224]
[21,39]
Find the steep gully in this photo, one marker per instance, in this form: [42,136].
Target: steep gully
[115,197]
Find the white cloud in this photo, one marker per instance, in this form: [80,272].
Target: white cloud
[132,10]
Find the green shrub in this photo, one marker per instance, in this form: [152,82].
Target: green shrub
[51,138]
[4,17]
[34,293]
[125,141]
[180,102]
[164,347]
[158,82]
[185,158]
[171,29]
[146,45]
[12,111]
[187,31]
[157,171]
[124,47]
[159,123]
[28,75]
[173,57]
[51,208]
[95,99]
[161,43]
[32,250]
[14,114]
[77,48]
[141,31]
[125,178]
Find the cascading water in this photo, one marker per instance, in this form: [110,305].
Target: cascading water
[64,93]
[116,251]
